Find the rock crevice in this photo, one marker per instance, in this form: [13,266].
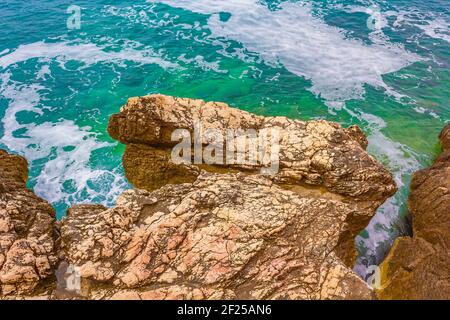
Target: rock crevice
[418,267]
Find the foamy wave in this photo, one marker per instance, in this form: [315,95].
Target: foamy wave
[200,62]
[337,66]
[88,53]
[146,16]
[387,223]
[433,26]
[436,27]
[67,176]
[66,147]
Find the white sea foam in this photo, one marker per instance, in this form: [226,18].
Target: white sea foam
[378,19]
[88,53]
[67,176]
[44,72]
[402,162]
[438,29]
[200,62]
[423,110]
[337,66]
[433,26]
[68,147]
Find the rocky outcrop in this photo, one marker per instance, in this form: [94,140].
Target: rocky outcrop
[27,233]
[314,157]
[230,236]
[224,230]
[202,231]
[418,267]
[315,152]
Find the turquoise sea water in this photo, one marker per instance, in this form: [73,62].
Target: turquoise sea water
[383,65]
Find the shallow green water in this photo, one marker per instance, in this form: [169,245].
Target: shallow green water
[383,65]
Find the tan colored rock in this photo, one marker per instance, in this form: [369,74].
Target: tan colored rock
[27,234]
[315,157]
[201,231]
[151,168]
[224,236]
[315,152]
[419,267]
[444,138]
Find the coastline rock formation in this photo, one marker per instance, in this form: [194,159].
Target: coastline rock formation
[315,157]
[225,236]
[418,267]
[201,231]
[315,152]
[27,233]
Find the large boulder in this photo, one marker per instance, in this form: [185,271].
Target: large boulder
[418,267]
[315,152]
[27,233]
[230,236]
[314,157]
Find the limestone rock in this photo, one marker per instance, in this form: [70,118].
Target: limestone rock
[197,231]
[315,152]
[314,157]
[27,234]
[231,236]
[419,267]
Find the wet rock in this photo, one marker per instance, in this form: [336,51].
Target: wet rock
[418,267]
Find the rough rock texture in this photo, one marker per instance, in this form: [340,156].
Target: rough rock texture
[27,234]
[231,236]
[200,231]
[315,155]
[314,152]
[419,267]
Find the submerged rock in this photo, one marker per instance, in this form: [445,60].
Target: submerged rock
[418,267]
[27,232]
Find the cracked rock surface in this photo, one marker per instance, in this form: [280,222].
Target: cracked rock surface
[316,157]
[314,152]
[200,231]
[418,267]
[226,236]
[27,233]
